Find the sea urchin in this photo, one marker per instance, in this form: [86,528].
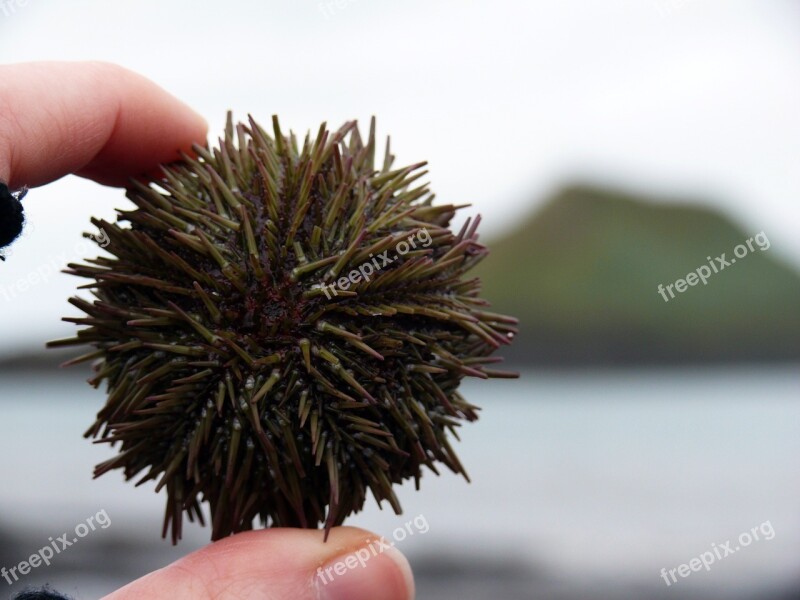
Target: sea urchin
[282,329]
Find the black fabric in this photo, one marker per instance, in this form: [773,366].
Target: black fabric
[44,593]
[12,215]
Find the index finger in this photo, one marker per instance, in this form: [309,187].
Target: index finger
[95,119]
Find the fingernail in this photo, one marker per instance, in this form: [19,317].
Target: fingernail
[373,571]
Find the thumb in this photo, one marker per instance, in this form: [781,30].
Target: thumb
[283,563]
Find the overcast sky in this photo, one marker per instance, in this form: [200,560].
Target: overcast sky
[506,99]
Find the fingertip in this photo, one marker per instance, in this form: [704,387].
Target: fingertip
[151,128]
[354,564]
[50,126]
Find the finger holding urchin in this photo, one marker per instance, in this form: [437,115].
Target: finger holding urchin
[283,328]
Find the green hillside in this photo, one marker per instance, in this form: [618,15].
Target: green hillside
[582,275]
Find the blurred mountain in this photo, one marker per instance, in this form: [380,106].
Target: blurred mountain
[582,275]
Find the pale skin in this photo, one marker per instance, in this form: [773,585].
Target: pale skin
[108,124]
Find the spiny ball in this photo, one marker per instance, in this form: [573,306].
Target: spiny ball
[283,329]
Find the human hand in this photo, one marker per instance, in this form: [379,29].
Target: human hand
[108,124]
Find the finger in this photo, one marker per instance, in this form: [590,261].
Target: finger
[95,119]
[282,564]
